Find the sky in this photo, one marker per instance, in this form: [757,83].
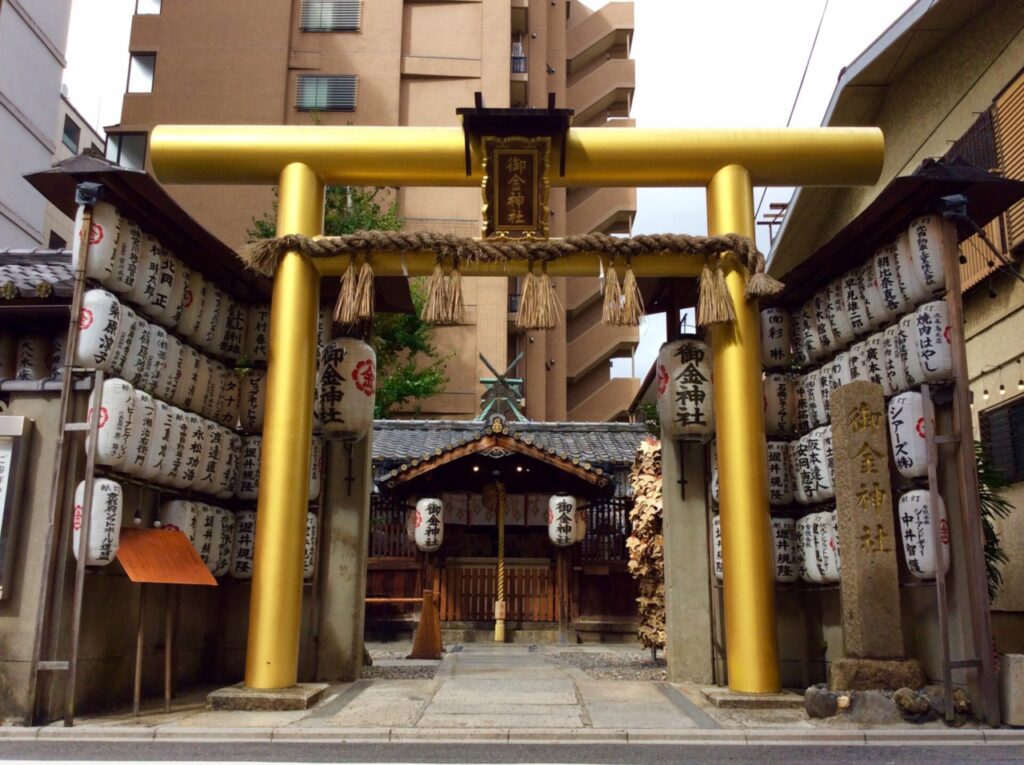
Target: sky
[699,63]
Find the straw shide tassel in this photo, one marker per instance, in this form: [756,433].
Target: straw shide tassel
[713,303]
[454,295]
[434,308]
[345,309]
[722,306]
[527,316]
[548,306]
[364,292]
[611,313]
[632,300]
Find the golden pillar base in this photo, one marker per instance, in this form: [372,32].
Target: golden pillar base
[275,609]
[749,583]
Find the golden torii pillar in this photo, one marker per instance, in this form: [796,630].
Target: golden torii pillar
[727,162]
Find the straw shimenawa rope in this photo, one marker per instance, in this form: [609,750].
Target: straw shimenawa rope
[444,300]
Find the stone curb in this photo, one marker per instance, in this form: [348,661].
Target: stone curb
[546,736]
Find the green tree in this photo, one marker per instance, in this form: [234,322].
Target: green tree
[993,506]
[409,367]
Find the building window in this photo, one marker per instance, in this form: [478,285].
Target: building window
[56,242]
[331,15]
[1002,432]
[147,7]
[71,135]
[333,93]
[128,150]
[141,69]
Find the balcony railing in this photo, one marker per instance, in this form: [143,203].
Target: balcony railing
[519,65]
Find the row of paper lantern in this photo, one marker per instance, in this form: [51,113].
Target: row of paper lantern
[133,264]
[113,338]
[685,400]
[808,548]
[32,357]
[915,350]
[153,441]
[567,523]
[225,540]
[899,276]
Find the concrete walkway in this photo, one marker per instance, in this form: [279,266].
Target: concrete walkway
[510,693]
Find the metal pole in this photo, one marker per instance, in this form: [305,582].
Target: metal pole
[742,462]
[499,605]
[276,601]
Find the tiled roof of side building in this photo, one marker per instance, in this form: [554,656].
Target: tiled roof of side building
[36,274]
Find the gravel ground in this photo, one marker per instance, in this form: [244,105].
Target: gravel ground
[621,665]
[376,672]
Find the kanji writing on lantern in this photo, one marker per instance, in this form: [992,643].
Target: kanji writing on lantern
[690,396]
[873,498]
[873,540]
[564,521]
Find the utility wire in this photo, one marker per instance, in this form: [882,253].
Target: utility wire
[796,99]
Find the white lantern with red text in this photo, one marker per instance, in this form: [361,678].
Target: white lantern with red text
[895,372]
[562,519]
[140,435]
[906,349]
[780,404]
[429,524]
[907,429]
[780,477]
[931,341]
[103,236]
[917,521]
[917,291]
[927,243]
[104,521]
[346,388]
[193,302]
[685,401]
[116,411]
[99,328]
[179,515]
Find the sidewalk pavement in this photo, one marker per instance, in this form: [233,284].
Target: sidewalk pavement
[511,693]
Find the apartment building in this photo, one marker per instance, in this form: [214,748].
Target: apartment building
[33,36]
[407,62]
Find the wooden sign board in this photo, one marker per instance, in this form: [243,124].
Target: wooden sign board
[162,556]
[516,187]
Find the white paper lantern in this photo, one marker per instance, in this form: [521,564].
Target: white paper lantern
[230,393]
[410,524]
[907,431]
[103,235]
[316,467]
[116,411]
[787,568]
[159,440]
[815,392]
[799,332]
[780,404]
[775,337]
[243,548]
[58,345]
[324,328]
[716,546]
[126,259]
[917,290]
[252,393]
[857,356]
[214,390]
[917,519]
[780,477]
[208,535]
[188,375]
[136,360]
[581,524]
[8,346]
[562,519]
[163,303]
[804,403]
[147,276]
[686,404]
[804,485]
[309,556]
[99,328]
[130,324]
[189,472]
[201,393]
[821,463]
[179,515]
[210,458]
[855,302]
[839,320]
[32,357]
[227,469]
[906,349]
[931,341]
[346,385]
[887,284]
[140,435]
[104,521]
[225,544]
[231,344]
[813,349]
[213,323]
[874,360]
[156,360]
[927,243]
[193,301]
[806,552]
[168,377]
[827,341]
[173,465]
[713,459]
[257,333]
[895,371]
[870,296]
[826,531]
[429,533]
[249,467]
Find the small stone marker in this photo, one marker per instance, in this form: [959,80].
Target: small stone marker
[872,628]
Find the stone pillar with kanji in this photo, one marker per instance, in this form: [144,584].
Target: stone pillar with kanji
[874,655]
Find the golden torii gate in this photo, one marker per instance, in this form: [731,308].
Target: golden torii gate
[301,160]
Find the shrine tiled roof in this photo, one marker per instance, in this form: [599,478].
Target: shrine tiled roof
[36,274]
[597,443]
